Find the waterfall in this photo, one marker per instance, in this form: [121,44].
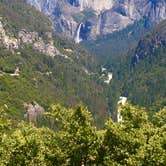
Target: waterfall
[122,101]
[77,38]
[98,27]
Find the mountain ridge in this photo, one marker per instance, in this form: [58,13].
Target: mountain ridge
[99,17]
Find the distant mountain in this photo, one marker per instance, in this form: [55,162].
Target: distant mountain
[37,65]
[86,19]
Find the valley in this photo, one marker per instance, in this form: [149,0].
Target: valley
[51,68]
[110,73]
[82,82]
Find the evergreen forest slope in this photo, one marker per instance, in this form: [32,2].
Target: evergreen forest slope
[68,77]
[141,74]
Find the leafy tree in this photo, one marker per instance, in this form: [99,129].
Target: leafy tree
[71,139]
[159,118]
[122,140]
[79,138]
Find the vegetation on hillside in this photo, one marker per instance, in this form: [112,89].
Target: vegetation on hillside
[65,135]
[77,79]
[108,49]
[145,84]
[45,79]
[68,78]
[17,15]
[71,139]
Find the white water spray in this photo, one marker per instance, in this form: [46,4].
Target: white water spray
[77,38]
[122,101]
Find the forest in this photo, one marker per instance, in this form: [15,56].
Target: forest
[69,133]
[69,137]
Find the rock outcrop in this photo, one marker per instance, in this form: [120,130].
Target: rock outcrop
[24,37]
[6,40]
[85,19]
[34,111]
[46,48]
[28,37]
[38,43]
[16,72]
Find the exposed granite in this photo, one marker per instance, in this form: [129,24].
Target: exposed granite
[99,16]
[34,111]
[25,37]
[6,40]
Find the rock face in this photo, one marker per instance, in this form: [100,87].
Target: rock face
[85,19]
[34,111]
[28,37]
[38,43]
[25,37]
[7,41]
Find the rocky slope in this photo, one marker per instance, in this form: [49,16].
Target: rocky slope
[25,37]
[85,19]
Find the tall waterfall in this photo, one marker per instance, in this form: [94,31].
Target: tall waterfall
[98,27]
[77,38]
[122,101]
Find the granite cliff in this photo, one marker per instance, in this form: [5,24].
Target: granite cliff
[85,19]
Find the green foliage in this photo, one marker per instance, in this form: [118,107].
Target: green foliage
[135,141]
[159,118]
[5,124]
[46,79]
[69,136]
[24,147]
[145,85]
[67,82]
[72,139]
[18,15]
[78,137]
[109,49]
